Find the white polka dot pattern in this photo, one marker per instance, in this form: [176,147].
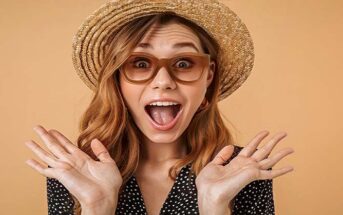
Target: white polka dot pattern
[59,199]
[256,198]
[180,200]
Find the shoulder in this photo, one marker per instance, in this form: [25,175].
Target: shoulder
[255,198]
[59,199]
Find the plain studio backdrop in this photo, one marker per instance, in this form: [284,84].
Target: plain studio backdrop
[295,86]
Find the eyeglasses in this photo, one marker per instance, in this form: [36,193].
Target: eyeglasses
[187,67]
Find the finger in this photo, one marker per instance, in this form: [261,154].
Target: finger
[250,148]
[271,161]
[50,142]
[40,168]
[65,142]
[270,174]
[70,147]
[264,151]
[223,155]
[41,153]
[100,151]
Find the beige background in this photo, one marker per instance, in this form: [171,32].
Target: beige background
[295,86]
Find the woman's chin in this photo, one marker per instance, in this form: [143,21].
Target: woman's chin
[162,138]
[158,136]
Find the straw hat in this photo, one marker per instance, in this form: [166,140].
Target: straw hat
[236,53]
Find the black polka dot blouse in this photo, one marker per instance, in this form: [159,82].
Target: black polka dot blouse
[255,198]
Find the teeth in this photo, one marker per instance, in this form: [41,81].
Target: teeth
[163,103]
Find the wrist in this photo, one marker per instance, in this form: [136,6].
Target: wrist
[105,207]
[218,209]
[210,204]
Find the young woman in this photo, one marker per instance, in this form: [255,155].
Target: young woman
[152,139]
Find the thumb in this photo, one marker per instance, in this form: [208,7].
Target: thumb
[100,151]
[223,155]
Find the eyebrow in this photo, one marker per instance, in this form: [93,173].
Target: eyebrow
[176,45]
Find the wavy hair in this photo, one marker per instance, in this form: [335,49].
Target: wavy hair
[107,117]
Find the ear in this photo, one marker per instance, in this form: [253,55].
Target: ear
[210,74]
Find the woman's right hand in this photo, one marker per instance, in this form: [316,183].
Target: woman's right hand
[90,181]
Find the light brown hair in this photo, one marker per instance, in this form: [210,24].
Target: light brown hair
[107,117]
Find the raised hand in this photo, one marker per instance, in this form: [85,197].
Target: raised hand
[222,183]
[88,180]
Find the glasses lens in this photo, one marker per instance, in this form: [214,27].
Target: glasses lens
[188,67]
[138,68]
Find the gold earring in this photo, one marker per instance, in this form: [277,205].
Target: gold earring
[203,105]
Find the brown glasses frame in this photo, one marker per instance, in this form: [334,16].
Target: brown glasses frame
[163,62]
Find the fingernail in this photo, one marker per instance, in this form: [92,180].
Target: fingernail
[28,162]
[36,127]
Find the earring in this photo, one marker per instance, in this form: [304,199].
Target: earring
[203,105]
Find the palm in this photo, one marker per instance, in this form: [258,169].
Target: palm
[238,165]
[91,176]
[88,180]
[225,181]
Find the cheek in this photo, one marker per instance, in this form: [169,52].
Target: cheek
[130,94]
[195,94]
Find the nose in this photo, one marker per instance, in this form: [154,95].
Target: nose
[163,80]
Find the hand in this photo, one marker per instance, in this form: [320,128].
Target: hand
[222,183]
[88,180]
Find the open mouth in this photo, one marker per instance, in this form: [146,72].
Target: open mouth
[163,115]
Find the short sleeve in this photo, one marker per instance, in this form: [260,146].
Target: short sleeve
[59,199]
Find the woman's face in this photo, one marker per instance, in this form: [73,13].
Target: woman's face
[162,40]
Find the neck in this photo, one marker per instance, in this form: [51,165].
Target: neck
[157,154]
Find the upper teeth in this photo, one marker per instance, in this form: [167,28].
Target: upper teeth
[163,103]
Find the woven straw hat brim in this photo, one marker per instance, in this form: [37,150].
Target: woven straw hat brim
[236,50]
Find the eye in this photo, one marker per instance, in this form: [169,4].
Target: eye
[141,62]
[184,63]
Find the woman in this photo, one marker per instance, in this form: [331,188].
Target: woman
[152,140]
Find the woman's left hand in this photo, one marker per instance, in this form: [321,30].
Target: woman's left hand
[218,184]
